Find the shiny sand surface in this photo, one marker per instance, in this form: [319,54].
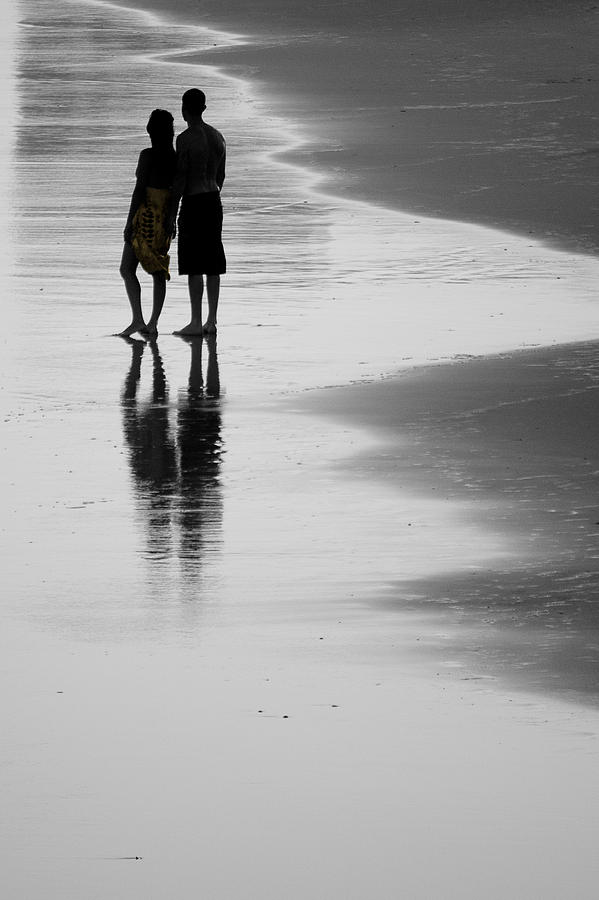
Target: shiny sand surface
[204,692]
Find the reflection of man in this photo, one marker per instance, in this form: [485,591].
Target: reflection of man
[200,175]
[200,447]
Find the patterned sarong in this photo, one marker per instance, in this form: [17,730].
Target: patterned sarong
[150,241]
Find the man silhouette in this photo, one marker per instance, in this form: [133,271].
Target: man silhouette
[201,153]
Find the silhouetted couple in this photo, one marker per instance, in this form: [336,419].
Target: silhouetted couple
[192,174]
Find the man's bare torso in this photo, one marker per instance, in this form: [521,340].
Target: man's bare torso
[200,159]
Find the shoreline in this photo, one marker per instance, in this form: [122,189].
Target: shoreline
[486,120]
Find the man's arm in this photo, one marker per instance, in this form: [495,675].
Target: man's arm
[178,187]
[220,172]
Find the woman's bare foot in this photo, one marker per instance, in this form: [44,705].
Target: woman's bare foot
[192,328]
[150,329]
[132,329]
[209,327]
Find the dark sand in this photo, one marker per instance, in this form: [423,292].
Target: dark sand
[476,111]
[515,439]
[485,113]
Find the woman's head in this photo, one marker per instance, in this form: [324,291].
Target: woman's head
[161,128]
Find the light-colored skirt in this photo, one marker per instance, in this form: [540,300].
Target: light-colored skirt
[150,241]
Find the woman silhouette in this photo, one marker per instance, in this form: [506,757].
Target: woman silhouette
[146,240]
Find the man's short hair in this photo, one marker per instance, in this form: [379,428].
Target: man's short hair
[194,101]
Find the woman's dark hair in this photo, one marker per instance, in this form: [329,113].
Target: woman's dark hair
[161,128]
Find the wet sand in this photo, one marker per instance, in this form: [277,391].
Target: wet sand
[218,674]
[512,439]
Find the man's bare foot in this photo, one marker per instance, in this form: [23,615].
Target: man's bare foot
[209,327]
[132,329]
[150,329]
[192,328]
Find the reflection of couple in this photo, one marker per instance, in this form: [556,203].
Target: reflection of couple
[193,174]
[176,468]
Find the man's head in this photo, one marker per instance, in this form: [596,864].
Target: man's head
[194,102]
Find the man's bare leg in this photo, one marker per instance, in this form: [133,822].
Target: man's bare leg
[196,292]
[213,291]
[159,293]
[212,375]
[195,385]
[128,270]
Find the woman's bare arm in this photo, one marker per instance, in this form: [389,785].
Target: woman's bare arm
[139,192]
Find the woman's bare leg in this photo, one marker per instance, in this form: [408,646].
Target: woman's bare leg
[159,293]
[128,270]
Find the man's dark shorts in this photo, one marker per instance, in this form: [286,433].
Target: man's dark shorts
[200,246]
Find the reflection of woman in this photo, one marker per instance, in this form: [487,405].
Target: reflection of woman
[152,451]
[146,240]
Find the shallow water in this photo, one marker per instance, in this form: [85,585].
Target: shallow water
[193,673]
